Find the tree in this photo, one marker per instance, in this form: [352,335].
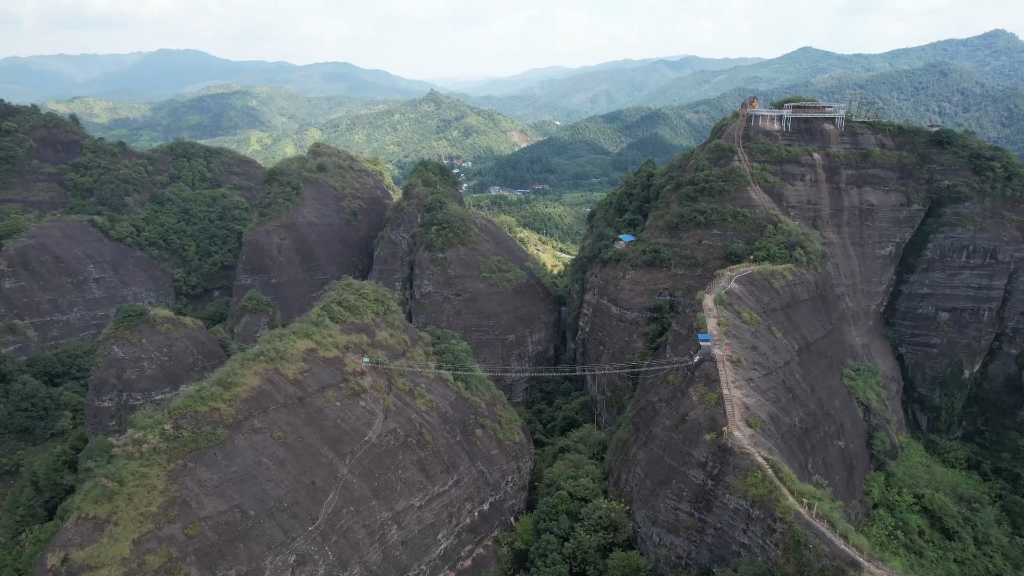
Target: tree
[631,563]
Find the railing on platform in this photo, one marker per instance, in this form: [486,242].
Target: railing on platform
[784,118]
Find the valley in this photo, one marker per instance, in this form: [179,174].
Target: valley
[599,321]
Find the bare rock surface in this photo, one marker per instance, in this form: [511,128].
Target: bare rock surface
[146,363]
[509,320]
[297,460]
[792,382]
[64,281]
[327,235]
[963,291]
[505,325]
[790,361]
[671,463]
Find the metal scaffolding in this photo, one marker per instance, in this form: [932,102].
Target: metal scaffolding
[784,118]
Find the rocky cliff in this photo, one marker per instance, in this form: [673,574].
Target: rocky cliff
[821,384]
[145,356]
[326,233]
[957,311]
[63,281]
[401,473]
[462,272]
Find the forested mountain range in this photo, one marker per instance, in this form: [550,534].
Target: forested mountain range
[270,124]
[214,112]
[997,56]
[150,76]
[435,126]
[593,88]
[974,83]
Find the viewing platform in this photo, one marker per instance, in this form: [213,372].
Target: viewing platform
[784,118]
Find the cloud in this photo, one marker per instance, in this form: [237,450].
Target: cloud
[471,38]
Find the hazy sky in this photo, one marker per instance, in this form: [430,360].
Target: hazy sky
[470,38]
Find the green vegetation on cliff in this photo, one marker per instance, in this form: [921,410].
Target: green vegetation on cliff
[42,438]
[446,222]
[572,527]
[127,487]
[184,204]
[691,193]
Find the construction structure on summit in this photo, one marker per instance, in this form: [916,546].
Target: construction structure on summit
[783,117]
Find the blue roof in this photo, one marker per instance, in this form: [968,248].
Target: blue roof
[626,237]
[704,337]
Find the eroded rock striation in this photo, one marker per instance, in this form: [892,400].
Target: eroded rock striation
[460,271]
[63,281]
[295,459]
[957,311]
[326,233]
[145,361]
[896,238]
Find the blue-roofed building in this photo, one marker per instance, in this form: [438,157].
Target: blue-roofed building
[705,343]
[624,240]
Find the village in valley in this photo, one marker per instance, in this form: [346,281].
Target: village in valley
[459,168]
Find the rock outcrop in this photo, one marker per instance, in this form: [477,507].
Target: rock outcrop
[478,284]
[146,362]
[694,497]
[63,281]
[959,308]
[867,193]
[327,234]
[295,459]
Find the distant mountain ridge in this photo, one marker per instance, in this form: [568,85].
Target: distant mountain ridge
[533,77]
[162,74]
[996,56]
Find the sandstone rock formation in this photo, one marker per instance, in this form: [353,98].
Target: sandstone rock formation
[146,362]
[326,235]
[294,459]
[479,285]
[63,281]
[690,492]
[792,334]
[960,295]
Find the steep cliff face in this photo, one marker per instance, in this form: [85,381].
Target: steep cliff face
[63,281]
[401,473]
[34,145]
[697,501]
[326,234]
[960,292]
[462,272]
[798,337]
[144,357]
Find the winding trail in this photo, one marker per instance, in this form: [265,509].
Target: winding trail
[737,434]
[763,199]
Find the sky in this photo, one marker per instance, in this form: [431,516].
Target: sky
[474,38]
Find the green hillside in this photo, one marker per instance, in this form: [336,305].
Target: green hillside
[598,90]
[996,56]
[402,133]
[270,124]
[212,113]
[592,154]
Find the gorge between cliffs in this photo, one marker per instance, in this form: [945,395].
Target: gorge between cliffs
[212,367]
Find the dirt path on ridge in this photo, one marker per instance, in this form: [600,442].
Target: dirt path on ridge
[737,434]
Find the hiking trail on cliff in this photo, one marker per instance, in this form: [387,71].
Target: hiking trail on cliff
[736,434]
[763,199]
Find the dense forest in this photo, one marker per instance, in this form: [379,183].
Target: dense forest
[45,453]
[272,124]
[217,112]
